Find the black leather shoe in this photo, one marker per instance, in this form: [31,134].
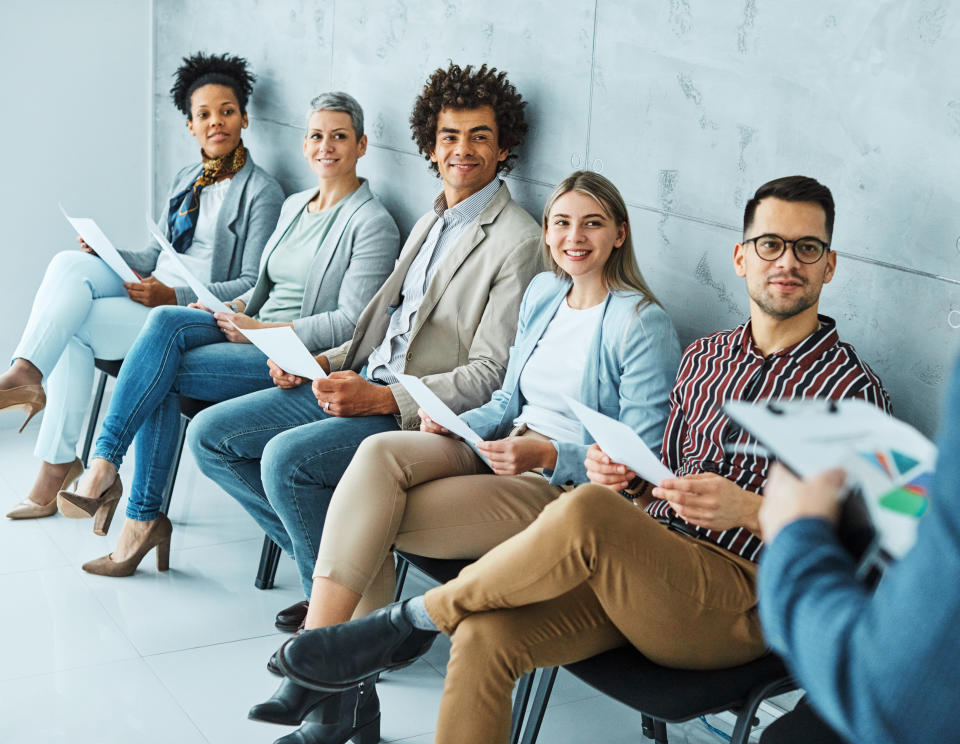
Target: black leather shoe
[340,656]
[273,664]
[290,704]
[359,720]
[291,618]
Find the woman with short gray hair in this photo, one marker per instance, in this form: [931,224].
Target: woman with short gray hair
[333,246]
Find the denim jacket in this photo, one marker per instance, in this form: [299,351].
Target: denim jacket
[630,369]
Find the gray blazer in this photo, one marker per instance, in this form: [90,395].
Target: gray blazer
[247,217]
[463,329]
[357,254]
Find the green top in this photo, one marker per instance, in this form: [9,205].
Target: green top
[289,264]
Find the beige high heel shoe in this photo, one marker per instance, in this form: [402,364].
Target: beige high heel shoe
[157,536]
[30,398]
[75,506]
[28,509]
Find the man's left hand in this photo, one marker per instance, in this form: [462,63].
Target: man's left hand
[711,501]
[349,394]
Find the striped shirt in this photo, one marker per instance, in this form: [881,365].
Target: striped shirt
[728,366]
[390,356]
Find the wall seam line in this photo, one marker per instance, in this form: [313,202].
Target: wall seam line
[593,67]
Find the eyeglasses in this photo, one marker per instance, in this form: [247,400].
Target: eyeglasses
[806,250]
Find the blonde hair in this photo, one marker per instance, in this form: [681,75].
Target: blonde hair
[621,272]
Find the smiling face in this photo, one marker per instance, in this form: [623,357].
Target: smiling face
[785,288]
[581,236]
[215,119]
[331,146]
[466,151]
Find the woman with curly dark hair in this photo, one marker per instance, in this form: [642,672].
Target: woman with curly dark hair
[219,215]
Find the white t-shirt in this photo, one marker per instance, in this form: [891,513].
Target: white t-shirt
[554,369]
[198,257]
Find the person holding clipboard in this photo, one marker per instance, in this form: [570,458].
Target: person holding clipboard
[591,329]
[219,214]
[333,246]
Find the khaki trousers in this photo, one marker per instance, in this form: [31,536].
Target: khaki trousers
[425,494]
[591,573]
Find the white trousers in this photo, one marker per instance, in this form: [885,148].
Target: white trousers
[81,312]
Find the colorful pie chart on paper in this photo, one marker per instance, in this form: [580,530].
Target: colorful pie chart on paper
[910,499]
[879,460]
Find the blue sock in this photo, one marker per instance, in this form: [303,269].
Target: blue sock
[416,612]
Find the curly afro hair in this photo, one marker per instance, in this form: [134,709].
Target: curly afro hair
[202,69]
[467,88]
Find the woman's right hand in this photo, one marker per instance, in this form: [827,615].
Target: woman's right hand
[84,247]
[283,379]
[605,472]
[430,426]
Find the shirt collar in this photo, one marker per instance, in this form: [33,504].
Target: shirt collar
[470,208]
[827,329]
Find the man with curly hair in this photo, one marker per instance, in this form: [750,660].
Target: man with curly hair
[446,314]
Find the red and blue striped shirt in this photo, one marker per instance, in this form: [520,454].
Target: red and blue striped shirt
[728,366]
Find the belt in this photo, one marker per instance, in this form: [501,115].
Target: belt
[673,522]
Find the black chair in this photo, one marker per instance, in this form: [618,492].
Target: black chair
[665,695]
[189,407]
[441,571]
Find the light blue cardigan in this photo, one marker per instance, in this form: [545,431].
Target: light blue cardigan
[247,217]
[631,366]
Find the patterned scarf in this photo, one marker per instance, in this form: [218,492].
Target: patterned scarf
[185,206]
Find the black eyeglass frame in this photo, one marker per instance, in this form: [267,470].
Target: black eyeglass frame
[824,247]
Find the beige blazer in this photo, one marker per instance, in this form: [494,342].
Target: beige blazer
[465,325]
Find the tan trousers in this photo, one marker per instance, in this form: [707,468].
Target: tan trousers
[592,573]
[421,493]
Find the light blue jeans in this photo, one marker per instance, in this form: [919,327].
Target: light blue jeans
[80,312]
[281,456]
[181,351]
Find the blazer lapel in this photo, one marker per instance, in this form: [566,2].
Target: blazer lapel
[318,267]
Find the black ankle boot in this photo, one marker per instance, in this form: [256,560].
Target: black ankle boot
[359,720]
[292,703]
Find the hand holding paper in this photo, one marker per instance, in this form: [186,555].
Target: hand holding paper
[620,442]
[93,236]
[285,348]
[206,297]
[437,409]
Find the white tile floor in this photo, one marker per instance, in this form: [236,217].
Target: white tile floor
[179,657]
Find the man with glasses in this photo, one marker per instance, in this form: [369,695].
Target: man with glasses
[675,579]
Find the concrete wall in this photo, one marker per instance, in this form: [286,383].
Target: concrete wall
[687,105]
[75,129]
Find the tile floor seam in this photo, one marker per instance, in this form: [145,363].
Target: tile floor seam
[176,701]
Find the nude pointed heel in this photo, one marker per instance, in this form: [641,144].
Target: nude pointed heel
[28,509]
[75,506]
[157,536]
[30,398]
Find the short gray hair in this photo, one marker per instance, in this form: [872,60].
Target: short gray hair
[336,100]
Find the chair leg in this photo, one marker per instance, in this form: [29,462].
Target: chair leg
[520,700]
[94,415]
[269,559]
[659,731]
[402,565]
[646,726]
[539,707]
[174,466]
[746,716]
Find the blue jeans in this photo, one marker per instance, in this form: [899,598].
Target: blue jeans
[281,456]
[180,351]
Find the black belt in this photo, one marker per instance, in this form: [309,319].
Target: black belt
[673,522]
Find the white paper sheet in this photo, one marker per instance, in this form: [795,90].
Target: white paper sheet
[620,443]
[204,295]
[285,348]
[437,409]
[93,236]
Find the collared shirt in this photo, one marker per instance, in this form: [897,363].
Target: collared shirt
[728,366]
[388,358]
